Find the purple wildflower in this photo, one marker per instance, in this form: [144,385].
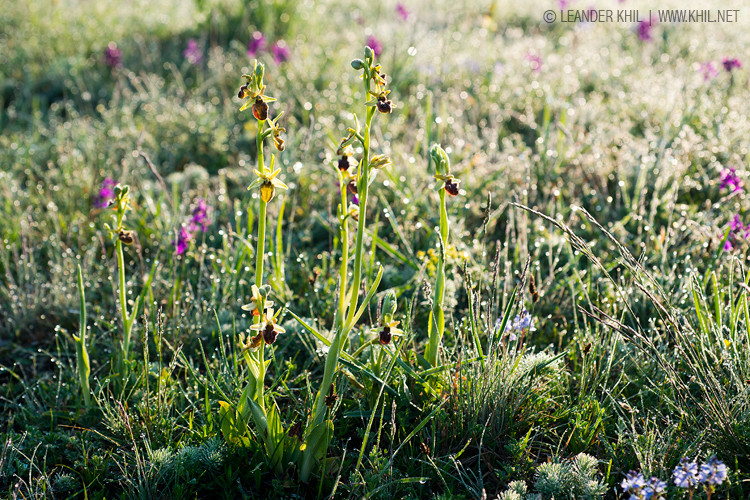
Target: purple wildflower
[685,475]
[633,482]
[402,12]
[655,485]
[200,216]
[730,179]
[521,323]
[713,472]
[639,489]
[730,64]
[355,200]
[708,70]
[106,193]
[643,29]
[563,4]
[736,224]
[737,230]
[192,53]
[257,44]
[535,61]
[183,240]
[375,45]
[280,52]
[112,55]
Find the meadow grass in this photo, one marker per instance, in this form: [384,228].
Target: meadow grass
[585,316]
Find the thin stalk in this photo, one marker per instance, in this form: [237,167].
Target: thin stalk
[363,179]
[260,251]
[437,316]
[343,269]
[126,323]
[84,369]
[342,327]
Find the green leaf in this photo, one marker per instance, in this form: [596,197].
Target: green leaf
[366,301]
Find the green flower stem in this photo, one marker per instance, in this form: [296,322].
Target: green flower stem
[363,180]
[342,327]
[437,315]
[84,369]
[260,251]
[126,323]
[343,270]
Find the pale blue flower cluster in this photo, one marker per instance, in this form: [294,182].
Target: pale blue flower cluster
[521,323]
[686,475]
[640,489]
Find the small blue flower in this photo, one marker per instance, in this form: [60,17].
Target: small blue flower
[685,475]
[633,482]
[521,323]
[713,472]
[656,485]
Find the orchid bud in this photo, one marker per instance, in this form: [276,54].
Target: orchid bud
[380,161]
[388,307]
[440,159]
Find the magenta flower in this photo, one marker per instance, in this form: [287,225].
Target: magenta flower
[183,241]
[402,12]
[563,4]
[644,30]
[106,193]
[112,55]
[256,45]
[198,221]
[280,52]
[730,179]
[535,61]
[708,70]
[192,53]
[199,218]
[737,230]
[731,64]
[375,45]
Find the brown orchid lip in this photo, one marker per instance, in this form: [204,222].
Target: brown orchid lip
[344,163]
[125,236]
[385,335]
[384,105]
[451,187]
[269,334]
[260,109]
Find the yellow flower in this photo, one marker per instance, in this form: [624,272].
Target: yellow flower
[268,182]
